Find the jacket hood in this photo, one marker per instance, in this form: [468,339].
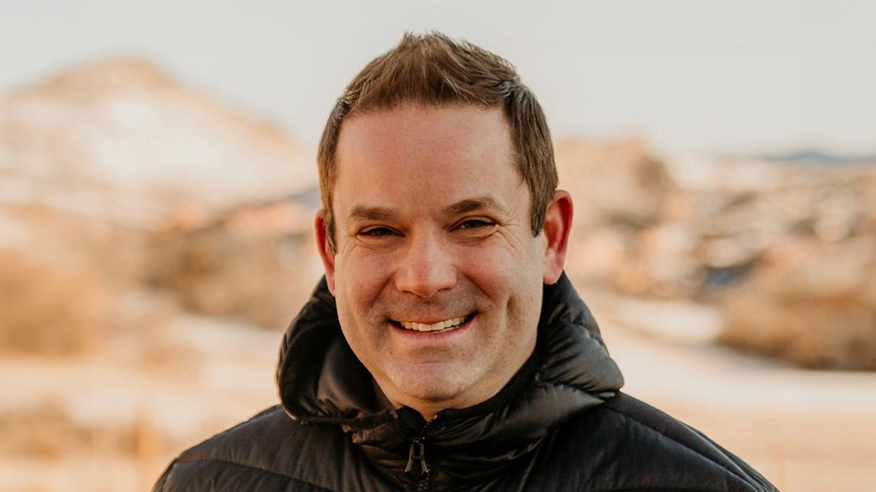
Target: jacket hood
[321,381]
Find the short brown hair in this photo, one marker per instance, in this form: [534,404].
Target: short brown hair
[434,70]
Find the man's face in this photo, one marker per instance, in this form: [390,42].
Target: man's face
[437,276]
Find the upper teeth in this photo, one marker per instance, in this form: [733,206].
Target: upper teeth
[447,323]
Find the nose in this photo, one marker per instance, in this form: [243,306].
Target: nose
[426,268]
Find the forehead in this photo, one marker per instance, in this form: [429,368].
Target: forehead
[455,150]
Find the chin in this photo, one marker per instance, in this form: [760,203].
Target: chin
[437,390]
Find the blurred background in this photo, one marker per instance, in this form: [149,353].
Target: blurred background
[158,183]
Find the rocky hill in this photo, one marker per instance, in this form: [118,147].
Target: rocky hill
[103,165]
[788,251]
[119,139]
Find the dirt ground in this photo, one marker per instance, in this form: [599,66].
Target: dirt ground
[111,421]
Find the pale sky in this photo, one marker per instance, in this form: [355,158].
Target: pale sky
[686,75]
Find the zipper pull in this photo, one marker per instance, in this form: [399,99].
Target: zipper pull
[417,453]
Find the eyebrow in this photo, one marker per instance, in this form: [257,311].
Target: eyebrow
[378,214]
[386,214]
[485,202]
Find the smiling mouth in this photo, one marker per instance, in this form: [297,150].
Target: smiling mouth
[441,326]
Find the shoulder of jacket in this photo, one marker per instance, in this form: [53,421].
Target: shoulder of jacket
[655,450]
[234,444]
[266,446]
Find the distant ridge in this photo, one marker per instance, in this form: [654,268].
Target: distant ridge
[812,157]
[103,77]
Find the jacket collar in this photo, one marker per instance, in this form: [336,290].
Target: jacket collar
[321,381]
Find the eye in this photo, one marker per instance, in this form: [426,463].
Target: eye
[377,232]
[473,224]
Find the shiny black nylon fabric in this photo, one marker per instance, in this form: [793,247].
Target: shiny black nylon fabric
[551,427]
[622,445]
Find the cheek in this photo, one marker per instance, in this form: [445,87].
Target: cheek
[502,262]
[492,270]
[361,276]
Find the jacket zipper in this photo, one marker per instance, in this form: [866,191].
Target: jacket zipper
[417,468]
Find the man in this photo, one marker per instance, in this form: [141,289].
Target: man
[445,349]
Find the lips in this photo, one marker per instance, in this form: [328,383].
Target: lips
[439,326]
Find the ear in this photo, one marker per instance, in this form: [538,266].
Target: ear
[557,225]
[326,254]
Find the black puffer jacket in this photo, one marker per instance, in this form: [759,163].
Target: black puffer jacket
[560,424]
